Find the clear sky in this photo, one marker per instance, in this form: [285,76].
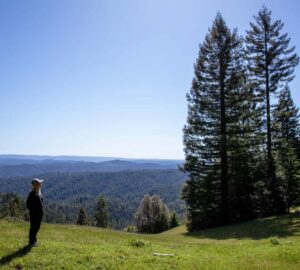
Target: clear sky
[109,78]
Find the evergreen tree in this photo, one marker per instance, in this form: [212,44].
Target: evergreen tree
[174,222]
[162,223]
[271,62]
[101,213]
[286,130]
[214,129]
[11,205]
[242,141]
[82,218]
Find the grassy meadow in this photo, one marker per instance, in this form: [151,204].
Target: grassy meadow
[269,243]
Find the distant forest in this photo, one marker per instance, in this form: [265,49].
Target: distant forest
[65,194]
[10,167]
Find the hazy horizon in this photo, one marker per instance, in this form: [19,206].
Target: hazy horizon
[87,156]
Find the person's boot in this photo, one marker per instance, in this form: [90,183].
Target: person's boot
[35,244]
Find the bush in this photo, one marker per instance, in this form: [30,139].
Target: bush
[274,240]
[130,228]
[139,243]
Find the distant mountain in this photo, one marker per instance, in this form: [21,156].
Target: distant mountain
[37,167]
[32,159]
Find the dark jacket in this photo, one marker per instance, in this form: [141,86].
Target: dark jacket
[35,203]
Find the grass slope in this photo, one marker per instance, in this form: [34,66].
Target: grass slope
[270,243]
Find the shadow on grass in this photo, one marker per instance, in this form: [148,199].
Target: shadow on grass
[281,226]
[19,253]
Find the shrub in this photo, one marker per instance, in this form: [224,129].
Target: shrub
[274,240]
[139,243]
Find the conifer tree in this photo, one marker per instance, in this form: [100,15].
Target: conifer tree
[82,218]
[174,222]
[12,205]
[163,222]
[286,130]
[271,63]
[241,119]
[101,213]
[213,127]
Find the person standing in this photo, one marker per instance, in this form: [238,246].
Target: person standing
[34,204]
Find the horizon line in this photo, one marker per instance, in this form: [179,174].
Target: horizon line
[88,156]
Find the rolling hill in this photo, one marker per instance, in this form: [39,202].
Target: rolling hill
[31,159]
[77,181]
[50,166]
[65,193]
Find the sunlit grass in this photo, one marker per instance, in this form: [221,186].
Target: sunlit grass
[270,243]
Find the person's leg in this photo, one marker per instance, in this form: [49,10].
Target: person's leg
[35,223]
[32,230]
[38,225]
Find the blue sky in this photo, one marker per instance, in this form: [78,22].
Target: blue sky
[109,78]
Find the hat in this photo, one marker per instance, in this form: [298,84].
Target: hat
[37,180]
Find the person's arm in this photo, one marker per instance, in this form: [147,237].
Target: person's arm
[40,203]
[29,201]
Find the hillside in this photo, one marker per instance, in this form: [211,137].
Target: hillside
[37,159]
[32,168]
[270,243]
[64,194]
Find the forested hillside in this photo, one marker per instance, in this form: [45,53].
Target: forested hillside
[14,167]
[64,194]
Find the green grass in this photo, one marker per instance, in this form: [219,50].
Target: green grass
[270,243]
